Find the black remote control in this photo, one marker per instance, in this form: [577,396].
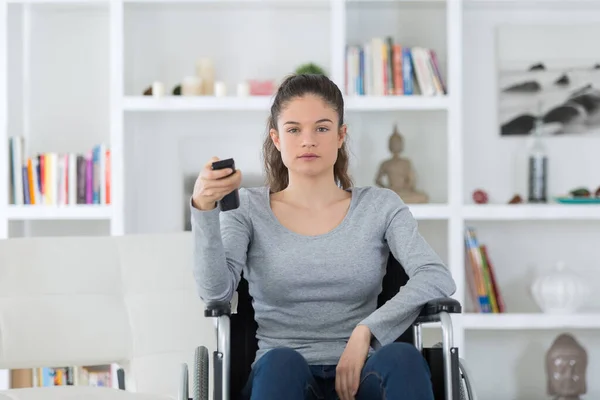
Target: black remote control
[231,201]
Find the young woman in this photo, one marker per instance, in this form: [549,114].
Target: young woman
[313,249]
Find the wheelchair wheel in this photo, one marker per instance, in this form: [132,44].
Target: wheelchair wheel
[466,387]
[183,384]
[200,374]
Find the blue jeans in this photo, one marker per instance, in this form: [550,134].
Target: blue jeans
[396,371]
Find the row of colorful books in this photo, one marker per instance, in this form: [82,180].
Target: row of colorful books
[100,376]
[97,375]
[381,67]
[481,276]
[55,178]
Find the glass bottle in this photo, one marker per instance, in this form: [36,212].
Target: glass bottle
[537,166]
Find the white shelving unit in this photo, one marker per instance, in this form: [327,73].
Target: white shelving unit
[78,212]
[548,212]
[262,103]
[529,321]
[24,214]
[454,212]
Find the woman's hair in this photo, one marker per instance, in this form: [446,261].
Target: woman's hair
[295,86]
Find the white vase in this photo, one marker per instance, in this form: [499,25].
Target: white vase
[560,291]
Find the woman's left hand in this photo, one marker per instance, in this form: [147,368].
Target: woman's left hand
[351,363]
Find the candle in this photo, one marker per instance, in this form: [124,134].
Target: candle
[220,89]
[205,70]
[243,89]
[191,86]
[158,89]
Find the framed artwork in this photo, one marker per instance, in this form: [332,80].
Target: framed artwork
[549,76]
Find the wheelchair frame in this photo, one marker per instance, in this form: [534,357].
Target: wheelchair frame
[435,311]
[448,373]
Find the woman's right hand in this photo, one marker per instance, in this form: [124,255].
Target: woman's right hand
[212,185]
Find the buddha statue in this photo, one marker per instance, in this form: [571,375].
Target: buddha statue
[566,366]
[397,173]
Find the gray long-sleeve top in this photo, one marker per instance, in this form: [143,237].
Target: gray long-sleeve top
[310,292]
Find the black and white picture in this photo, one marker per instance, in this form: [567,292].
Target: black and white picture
[549,75]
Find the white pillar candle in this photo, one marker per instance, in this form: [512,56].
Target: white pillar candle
[205,70]
[158,89]
[191,86]
[220,89]
[243,89]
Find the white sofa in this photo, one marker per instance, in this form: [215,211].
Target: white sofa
[130,300]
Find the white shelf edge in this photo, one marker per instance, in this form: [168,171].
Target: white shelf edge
[199,103]
[397,3]
[312,3]
[43,212]
[263,103]
[529,321]
[271,3]
[545,5]
[385,103]
[517,2]
[429,211]
[564,3]
[492,212]
[60,2]
[275,3]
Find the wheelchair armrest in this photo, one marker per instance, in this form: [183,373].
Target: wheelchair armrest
[221,308]
[435,306]
[217,309]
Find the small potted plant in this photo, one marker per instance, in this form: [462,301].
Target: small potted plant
[310,68]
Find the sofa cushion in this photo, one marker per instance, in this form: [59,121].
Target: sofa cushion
[84,301]
[61,302]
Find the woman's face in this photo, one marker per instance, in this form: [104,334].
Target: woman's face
[308,136]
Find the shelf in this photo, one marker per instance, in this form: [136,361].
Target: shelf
[237,3]
[40,212]
[390,103]
[396,3]
[270,3]
[532,3]
[57,2]
[262,103]
[530,321]
[322,3]
[200,103]
[493,212]
[429,211]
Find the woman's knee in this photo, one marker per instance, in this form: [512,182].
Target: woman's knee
[397,370]
[404,351]
[395,356]
[280,373]
[282,358]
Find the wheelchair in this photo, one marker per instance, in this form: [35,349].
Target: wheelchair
[236,340]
